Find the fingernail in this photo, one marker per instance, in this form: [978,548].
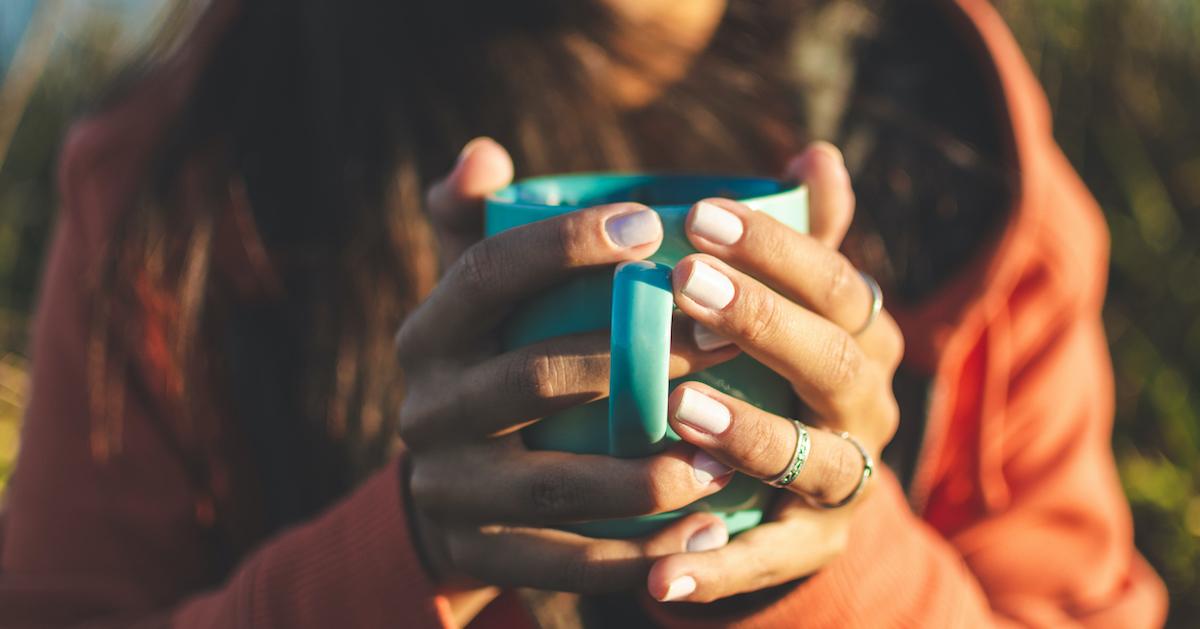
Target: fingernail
[706,339]
[715,223]
[634,228]
[708,469]
[679,588]
[708,287]
[702,412]
[711,537]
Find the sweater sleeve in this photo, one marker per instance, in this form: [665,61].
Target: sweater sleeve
[351,567]
[1058,554]
[117,542]
[1026,524]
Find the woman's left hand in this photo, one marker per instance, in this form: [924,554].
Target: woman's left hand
[795,304]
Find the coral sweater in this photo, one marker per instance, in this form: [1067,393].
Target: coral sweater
[1015,516]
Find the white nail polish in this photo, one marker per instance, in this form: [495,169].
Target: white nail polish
[679,588]
[708,287]
[715,223]
[634,229]
[706,339]
[702,412]
[707,469]
[711,537]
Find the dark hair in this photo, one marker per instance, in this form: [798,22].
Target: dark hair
[330,118]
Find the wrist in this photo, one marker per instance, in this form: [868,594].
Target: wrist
[465,597]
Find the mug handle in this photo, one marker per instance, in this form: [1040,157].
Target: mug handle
[640,358]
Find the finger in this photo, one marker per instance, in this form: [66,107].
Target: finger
[478,290]
[883,341]
[763,444]
[517,486]
[823,362]
[455,203]
[512,390]
[691,352]
[765,556]
[830,194]
[799,266]
[556,560]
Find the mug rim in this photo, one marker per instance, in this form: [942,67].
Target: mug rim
[496,199]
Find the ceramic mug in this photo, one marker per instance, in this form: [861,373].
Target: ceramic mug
[636,302]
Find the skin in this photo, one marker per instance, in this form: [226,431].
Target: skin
[465,399]
[684,27]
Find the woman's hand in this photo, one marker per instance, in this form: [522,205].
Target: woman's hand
[483,502]
[798,306]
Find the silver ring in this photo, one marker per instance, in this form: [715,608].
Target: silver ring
[868,471]
[799,458]
[876,302]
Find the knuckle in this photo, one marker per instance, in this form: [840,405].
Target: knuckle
[762,444]
[408,343]
[839,275]
[477,265]
[554,496]
[661,488]
[432,405]
[536,376]
[426,489]
[570,239]
[766,239]
[414,420]
[890,419]
[844,362]
[759,323]
[424,411]
[896,348]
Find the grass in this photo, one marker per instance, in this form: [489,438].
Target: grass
[14,390]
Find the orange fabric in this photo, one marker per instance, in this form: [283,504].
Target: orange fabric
[1024,520]
[1016,517]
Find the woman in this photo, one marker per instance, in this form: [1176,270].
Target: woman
[243,233]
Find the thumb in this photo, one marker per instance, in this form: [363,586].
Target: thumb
[455,203]
[830,195]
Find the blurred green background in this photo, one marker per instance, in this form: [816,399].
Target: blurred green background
[1123,77]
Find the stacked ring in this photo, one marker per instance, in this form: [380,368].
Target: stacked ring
[799,458]
[868,471]
[876,303]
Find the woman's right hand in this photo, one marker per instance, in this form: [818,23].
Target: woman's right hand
[485,503]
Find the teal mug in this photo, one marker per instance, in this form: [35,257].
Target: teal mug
[636,302]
